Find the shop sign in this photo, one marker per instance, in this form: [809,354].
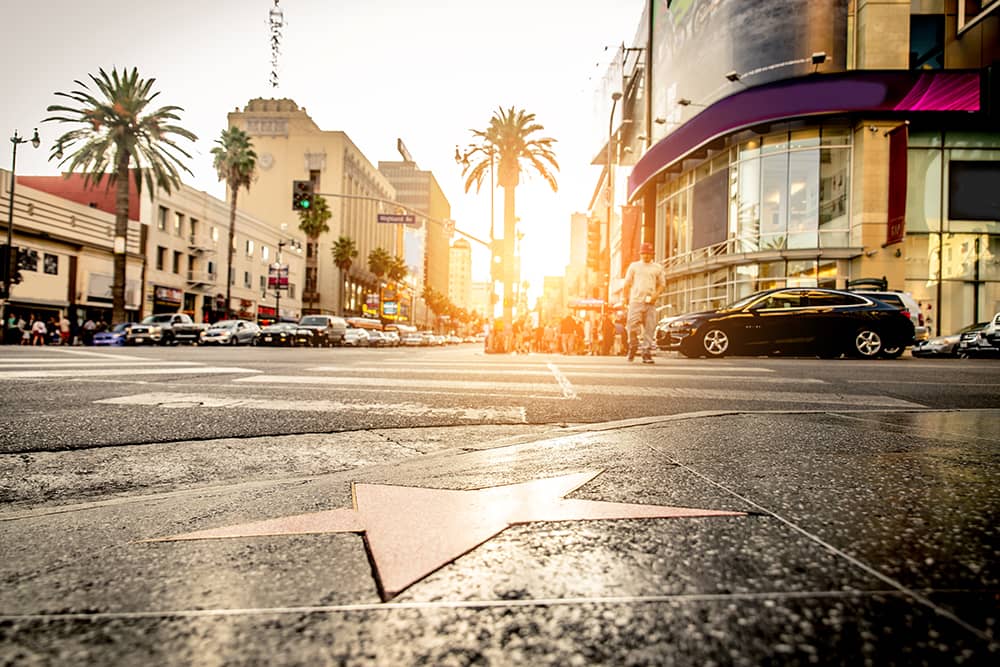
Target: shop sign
[169,295]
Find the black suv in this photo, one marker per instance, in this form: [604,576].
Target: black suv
[328,330]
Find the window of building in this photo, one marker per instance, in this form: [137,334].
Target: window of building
[161,258]
[926,41]
[179,224]
[215,233]
[265,253]
[263,285]
[210,265]
[176,265]
[249,247]
[161,219]
[247,280]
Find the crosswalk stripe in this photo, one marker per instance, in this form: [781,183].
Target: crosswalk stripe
[169,400]
[557,391]
[96,363]
[635,372]
[104,372]
[614,362]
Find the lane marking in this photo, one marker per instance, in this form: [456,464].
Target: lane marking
[96,363]
[169,400]
[564,382]
[474,388]
[187,370]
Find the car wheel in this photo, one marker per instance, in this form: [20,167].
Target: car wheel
[715,342]
[867,343]
[893,352]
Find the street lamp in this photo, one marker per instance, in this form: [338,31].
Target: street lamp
[615,96]
[16,140]
[463,159]
[277,282]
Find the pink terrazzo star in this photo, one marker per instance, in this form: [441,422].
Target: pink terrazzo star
[411,532]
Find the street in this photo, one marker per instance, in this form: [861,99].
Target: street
[193,504]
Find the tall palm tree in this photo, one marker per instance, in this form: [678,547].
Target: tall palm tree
[313,222]
[118,131]
[508,139]
[344,251]
[379,260]
[236,163]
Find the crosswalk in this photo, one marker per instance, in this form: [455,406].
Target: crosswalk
[458,386]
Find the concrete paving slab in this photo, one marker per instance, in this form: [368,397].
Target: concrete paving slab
[870,538]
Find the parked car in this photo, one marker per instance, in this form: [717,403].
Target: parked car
[114,336]
[230,332]
[414,339]
[354,337]
[878,288]
[392,338]
[823,322]
[282,334]
[981,343]
[165,329]
[945,346]
[377,338]
[328,330]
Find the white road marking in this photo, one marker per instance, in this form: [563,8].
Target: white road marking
[95,372]
[95,363]
[537,371]
[567,386]
[476,389]
[169,400]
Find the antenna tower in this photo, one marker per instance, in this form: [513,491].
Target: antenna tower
[277,21]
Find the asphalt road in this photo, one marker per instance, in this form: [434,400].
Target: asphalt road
[65,398]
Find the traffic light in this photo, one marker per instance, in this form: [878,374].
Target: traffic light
[302,195]
[594,244]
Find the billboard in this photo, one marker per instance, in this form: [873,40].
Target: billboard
[696,43]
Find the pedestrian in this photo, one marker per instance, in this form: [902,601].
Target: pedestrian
[88,331]
[25,328]
[64,330]
[644,282]
[567,327]
[11,334]
[38,332]
[607,334]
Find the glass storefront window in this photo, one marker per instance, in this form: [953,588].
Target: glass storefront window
[801,273]
[923,190]
[774,143]
[834,181]
[803,199]
[773,201]
[804,139]
[748,206]
[836,136]
[749,149]
[770,275]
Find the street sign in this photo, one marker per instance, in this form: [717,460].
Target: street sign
[397,219]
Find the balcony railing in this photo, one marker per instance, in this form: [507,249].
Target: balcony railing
[201,243]
[201,278]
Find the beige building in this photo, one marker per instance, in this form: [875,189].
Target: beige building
[176,253]
[460,274]
[291,147]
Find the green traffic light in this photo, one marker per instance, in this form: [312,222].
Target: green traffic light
[305,203]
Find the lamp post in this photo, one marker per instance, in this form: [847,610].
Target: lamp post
[615,96]
[16,140]
[277,281]
[463,159]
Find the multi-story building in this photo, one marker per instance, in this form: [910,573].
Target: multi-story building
[460,274]
[177,257]
[816,141]
[419,190]
[290,147]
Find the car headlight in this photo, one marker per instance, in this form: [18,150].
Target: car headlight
[681,324]
[155,329]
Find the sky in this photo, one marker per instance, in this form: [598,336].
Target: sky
[425,72]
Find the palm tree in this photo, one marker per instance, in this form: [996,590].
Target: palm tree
[508,140]
[344,252]
[313,222]
[379,260]
[119,131]
[397,269]
[236,163]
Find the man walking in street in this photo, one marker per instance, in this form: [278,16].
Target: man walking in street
[644,282]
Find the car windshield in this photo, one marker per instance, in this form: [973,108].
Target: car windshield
[742,303]
[153,319]
[224,324]
[121,328]
[313,321]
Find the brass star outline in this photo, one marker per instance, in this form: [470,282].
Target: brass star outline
[411,532]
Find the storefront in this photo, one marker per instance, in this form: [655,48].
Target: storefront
[167,299]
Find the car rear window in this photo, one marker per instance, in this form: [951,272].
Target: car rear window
[314,320]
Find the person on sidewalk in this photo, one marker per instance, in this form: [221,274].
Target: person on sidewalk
[644,282]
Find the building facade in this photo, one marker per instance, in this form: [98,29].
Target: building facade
[460,274]
[176,254]
[291,147]
[816,142]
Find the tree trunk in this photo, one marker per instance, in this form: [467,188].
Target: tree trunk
[509,274]
[121,239]
[229,251]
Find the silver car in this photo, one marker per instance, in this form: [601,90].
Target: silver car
[230,332]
